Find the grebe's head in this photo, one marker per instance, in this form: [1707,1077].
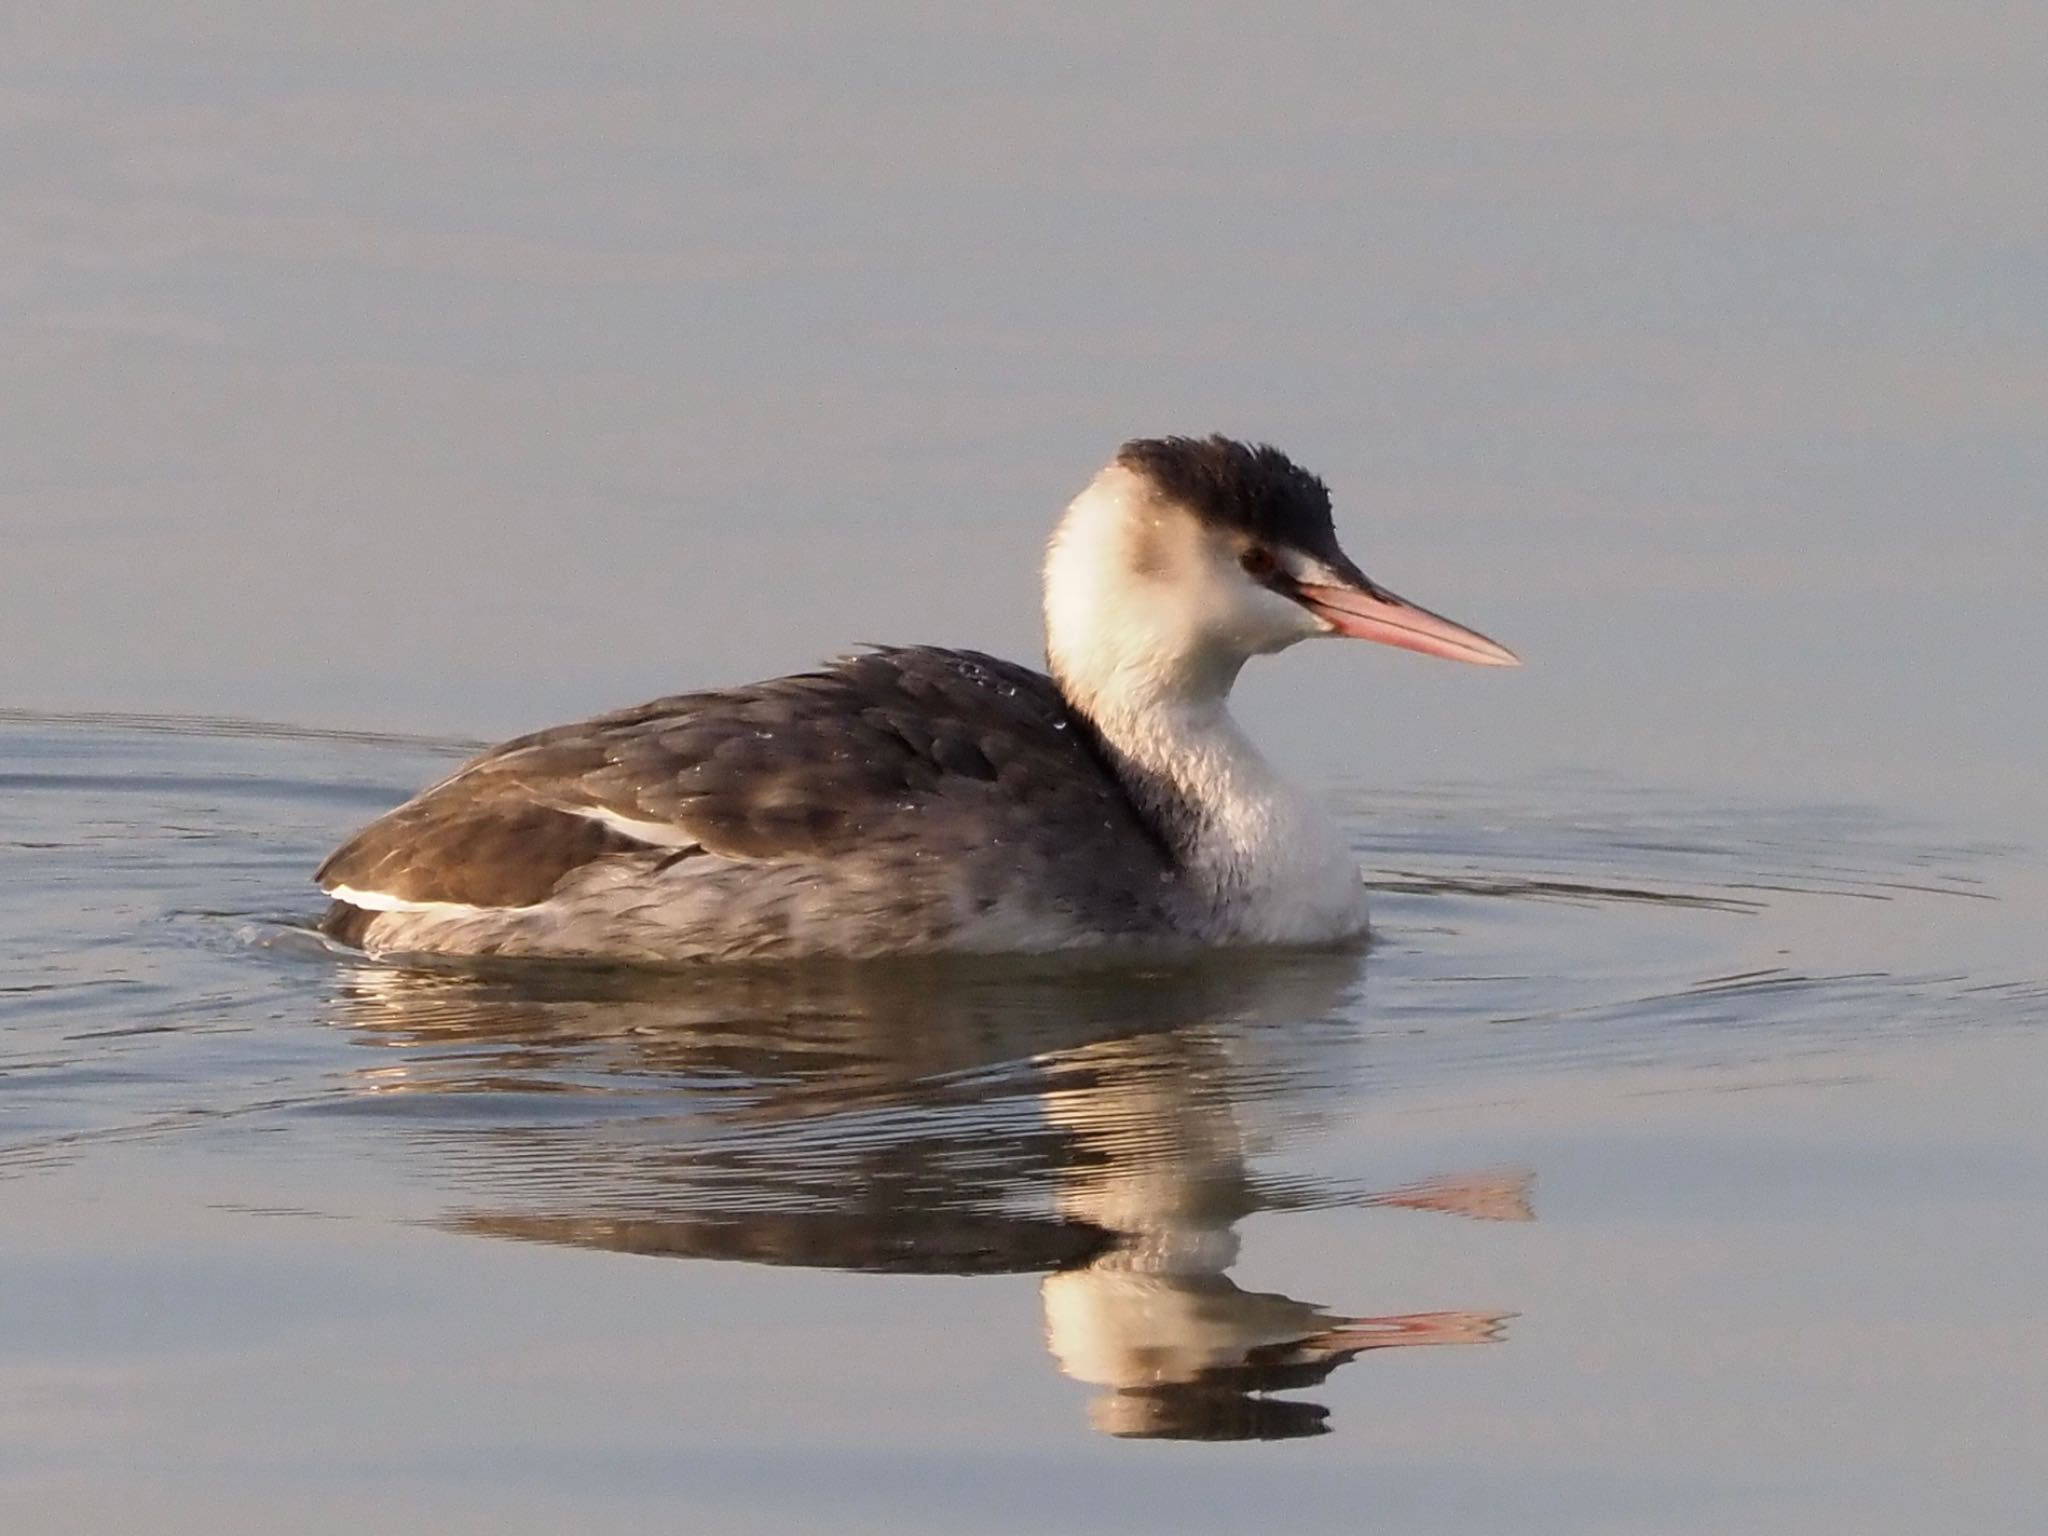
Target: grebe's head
[1187,556]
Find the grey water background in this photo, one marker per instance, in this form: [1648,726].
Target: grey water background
[444,372]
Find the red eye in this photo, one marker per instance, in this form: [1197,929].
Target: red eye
[1258,563]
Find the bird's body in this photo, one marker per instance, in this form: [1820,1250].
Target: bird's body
[919,800]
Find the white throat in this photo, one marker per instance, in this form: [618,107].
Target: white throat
[1143,644]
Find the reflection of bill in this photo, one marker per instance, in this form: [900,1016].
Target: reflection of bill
[1099,1128]
[1194,1361]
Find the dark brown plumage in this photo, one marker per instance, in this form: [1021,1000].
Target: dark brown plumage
[883,763]
[484,843]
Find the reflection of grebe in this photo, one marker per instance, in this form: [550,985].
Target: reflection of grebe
[1153,1317]
[920,800]
[969,1119]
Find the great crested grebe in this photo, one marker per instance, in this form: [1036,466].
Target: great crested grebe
[916,800]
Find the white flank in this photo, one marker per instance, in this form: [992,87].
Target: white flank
[656,834]
[381,901]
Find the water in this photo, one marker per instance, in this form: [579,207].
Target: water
[1662,1166]
[447,369]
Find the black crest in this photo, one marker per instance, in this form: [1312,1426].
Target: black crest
[1251,487]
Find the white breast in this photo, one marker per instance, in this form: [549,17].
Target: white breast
[1273,862]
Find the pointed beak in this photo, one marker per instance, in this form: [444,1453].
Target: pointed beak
[1363,611]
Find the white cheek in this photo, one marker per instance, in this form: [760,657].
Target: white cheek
[1265,621]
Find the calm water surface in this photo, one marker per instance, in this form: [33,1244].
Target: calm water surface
[1664,1165]
[1674,1162]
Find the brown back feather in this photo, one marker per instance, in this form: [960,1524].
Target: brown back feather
[878,746]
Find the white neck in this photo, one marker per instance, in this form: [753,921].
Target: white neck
[1268,861]
[1265,861]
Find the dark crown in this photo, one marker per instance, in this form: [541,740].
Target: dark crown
[1251,487]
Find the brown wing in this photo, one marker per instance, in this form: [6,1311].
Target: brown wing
[953,748]
[489,850]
